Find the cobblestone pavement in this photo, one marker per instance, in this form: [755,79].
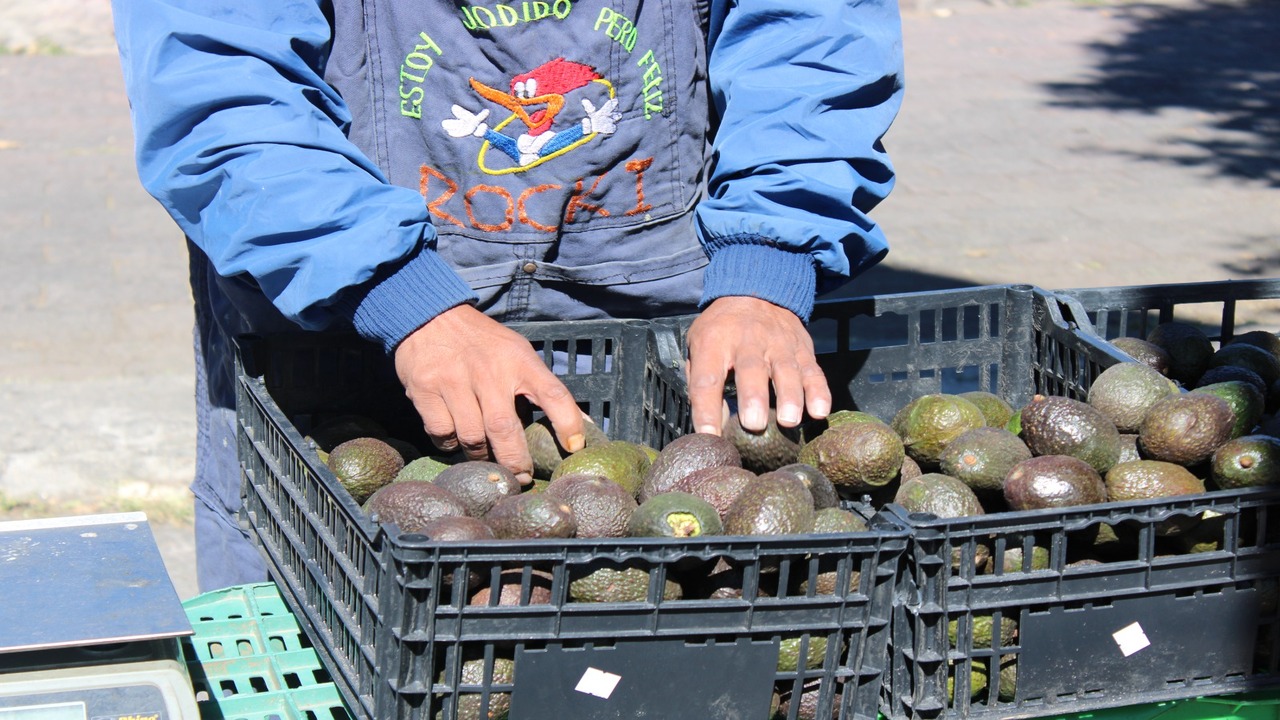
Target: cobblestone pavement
[1057,143]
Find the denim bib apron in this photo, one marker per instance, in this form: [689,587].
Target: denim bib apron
[560,145]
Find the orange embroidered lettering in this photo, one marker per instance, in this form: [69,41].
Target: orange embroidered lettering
[425,174]
[638,167]
[576,201]
[500,192]
[524,216]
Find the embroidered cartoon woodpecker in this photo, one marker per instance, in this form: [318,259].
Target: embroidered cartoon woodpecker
[537,98]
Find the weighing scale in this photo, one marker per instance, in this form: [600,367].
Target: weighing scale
[90,623]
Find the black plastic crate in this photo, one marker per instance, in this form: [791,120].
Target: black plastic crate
[389,616]
[1221,308]
[1150,623]
[878,354]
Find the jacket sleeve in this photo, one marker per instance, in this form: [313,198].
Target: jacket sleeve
[242,141]
[802,92]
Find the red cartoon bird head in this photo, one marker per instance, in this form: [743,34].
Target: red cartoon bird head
[544,85]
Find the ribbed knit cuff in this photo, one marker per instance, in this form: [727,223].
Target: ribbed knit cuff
[395,305]
[784,278]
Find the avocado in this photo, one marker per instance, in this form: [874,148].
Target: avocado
[837,520]
[1186,428]
[363,465]
[993,407]
[808,705]
[1188,346]
[531,515]
[811,429]
[1147,353]
[546,450]
[424,468]
[515,586]
[1252,357]
[820,486]
[1150,479]
[411,504]
[981,627]
[601,507]
[1247,461]
[1223,373]
[977,680]
[772,505]
[719,486]
[620,462]
[1264,339]
[335,430]
[408,451]
[982,457]
[1053,481]
[813,648]
[1247,403]
[594,583]
[856,456]
[763,451]
[833,520]
[1012,560]
[471,705]
[682,456]
[1059,425]
[1128,448]
[675,514]
[457,528]
[478,484]
[939,495]
[927,423]
[1125,391]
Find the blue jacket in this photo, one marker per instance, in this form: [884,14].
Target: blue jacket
[376,163]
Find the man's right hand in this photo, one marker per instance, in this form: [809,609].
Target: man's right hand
[463,371]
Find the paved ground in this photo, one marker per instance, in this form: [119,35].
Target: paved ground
[1057,143]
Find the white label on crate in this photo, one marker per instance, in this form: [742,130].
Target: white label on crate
[598,683]
[1131,639]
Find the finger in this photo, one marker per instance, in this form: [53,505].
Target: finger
[480,116]
[751,376]
[505,434]
[437,422]
[789,391]
[562,411]
[707,372]
[469,425]
[817,391]
[589,106]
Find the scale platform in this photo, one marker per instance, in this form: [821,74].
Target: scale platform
[89,622]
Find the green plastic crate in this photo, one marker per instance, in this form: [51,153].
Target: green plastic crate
[249,660]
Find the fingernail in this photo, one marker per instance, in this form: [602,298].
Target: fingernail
[709,429]
[788,415]
[820,409]
[576,443]
[753,417]
[524,478]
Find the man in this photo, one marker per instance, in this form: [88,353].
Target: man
[424,171]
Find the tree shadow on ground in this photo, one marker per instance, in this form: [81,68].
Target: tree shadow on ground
[1221,58]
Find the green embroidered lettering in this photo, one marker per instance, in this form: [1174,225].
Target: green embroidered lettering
[617,27]
[507,16]
[652,90]
[410,93]
[414,99]
[478,17]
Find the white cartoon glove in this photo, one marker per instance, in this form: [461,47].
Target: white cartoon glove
[603,121]
[530,147]
[465,122]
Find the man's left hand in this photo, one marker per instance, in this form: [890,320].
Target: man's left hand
[762,344]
